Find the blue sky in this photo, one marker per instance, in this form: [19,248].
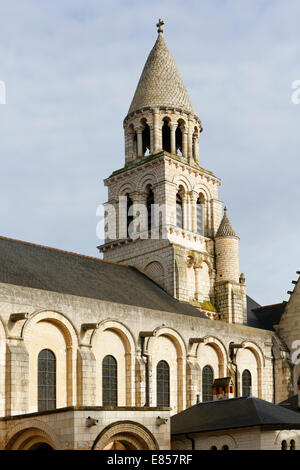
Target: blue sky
[71,68]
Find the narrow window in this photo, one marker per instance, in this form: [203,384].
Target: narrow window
[179,212]
[146,138]
[246,383]
[163,384]
[150,202]
[46,380]
[129,217]
[166,136]
[178,140]
[200,215]
[283,445]
[207,383]
[292,445]
[109,381]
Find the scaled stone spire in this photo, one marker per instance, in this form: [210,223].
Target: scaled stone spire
[160,83]
[225,229]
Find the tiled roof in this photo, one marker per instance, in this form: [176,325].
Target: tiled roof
[39,267]
[225,229]
[160,83]
[233,413]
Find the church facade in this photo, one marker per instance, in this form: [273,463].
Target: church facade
[101,354]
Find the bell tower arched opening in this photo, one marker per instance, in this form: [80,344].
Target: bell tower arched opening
[149,205]
[166,135]
[179,137]
[146,137]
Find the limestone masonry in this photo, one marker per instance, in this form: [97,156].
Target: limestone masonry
[104,354]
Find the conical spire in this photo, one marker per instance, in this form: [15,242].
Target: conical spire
[160,83]
[225,229]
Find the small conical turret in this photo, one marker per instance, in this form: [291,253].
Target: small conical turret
[227,251]
[225,229]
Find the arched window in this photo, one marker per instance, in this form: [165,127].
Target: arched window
[162,384]
[146,137]
[283,445]
[179,211]
[213,448]
[109,381]
[207,383]
[225,447]
[46,380]
[292,445]
[178,139]
[166,135]
[129,214]
[150,202]
[246,383]
[200,214]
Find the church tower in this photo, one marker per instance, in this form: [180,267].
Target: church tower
[163,214]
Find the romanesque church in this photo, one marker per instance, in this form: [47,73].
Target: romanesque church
[157,345]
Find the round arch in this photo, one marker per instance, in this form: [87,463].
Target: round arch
[71,339]
[218,346]
[26,434]
[126,188]
[260,361]
[58,319]
[181,352]
[130,347]
[181,180]
[145,180]
[133,435]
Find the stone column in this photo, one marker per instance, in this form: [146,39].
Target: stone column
[196,148]
[17,378]
[184,142]
[137,202]
[139,131]
[184,212]
[197,267]
[86,377]
[130,137]
[193,200]
[190,139]
[173,127]
[157,132]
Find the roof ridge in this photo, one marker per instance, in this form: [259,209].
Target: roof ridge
[271,305]
[46,247]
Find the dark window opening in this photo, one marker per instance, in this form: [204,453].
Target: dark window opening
[246,383]
[109,381]
[150,202]
[207,383]
[46,380]
[178,137]
[283,445]
[129,214]
[146,139]
[163,384]
[200,216]
[179,212]
[166,136]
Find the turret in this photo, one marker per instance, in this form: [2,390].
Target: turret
[227,251]
[230,289]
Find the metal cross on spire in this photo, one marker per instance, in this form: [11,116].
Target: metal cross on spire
[159,26]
